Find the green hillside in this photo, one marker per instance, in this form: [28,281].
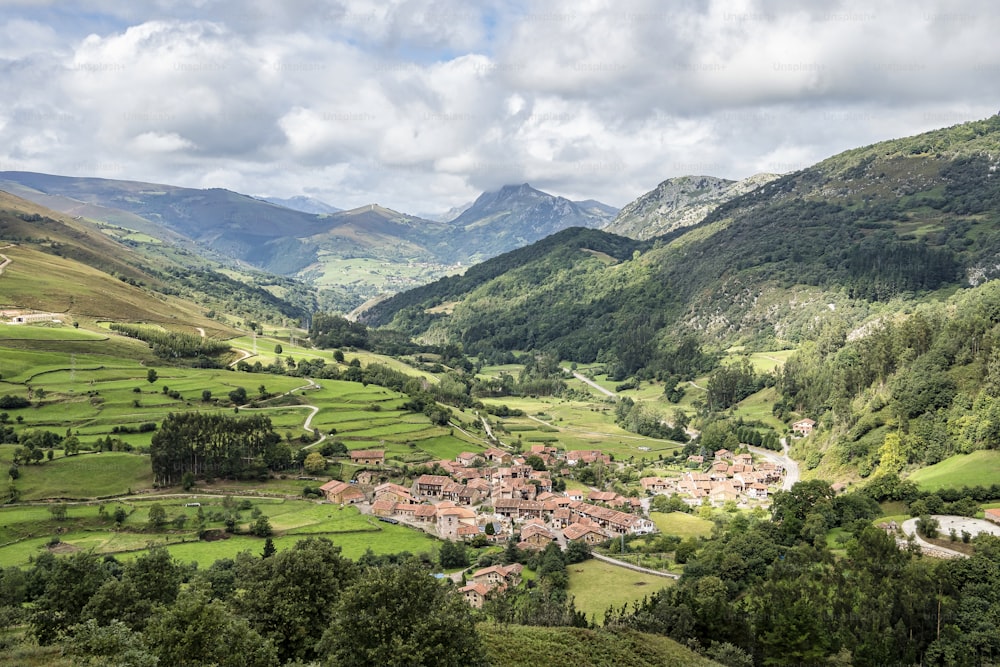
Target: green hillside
[82,270]
[517,645]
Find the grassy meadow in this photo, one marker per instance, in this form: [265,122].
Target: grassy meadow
[975,469]
[596,585]
[29,530]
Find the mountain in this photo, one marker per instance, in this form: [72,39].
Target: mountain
[304,204]
[514,216]
[62,265]
[894,221]
[679,202]
[231,225]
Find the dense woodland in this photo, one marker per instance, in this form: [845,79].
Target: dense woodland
[213,445]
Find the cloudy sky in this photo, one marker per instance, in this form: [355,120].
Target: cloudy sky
[420,105]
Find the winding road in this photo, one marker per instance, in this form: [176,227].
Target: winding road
[945,524]
[791,466]
[6,260]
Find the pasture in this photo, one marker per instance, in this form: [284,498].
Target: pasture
[681,524]
[981,468]
[27,531]
[596,585]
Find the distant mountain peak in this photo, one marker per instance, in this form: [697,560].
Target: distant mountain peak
[678,202]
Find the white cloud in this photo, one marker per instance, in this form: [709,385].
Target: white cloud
[420,104]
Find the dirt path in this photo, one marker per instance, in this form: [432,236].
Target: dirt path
[583,378]
[246,355]
[6,260]
[630,566]
[201,331]
[313,410]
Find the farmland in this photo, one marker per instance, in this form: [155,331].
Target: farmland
[27,531]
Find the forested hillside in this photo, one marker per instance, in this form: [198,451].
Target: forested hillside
[860,233]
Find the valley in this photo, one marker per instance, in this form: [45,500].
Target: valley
[754,403]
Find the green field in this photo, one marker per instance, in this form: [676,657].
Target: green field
[26,531]
[980,468]
[596,585]
[681,524]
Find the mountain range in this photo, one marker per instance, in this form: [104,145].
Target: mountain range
[890,222]
[309,239]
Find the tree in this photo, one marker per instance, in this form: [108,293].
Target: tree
[71,446]
[120,515]
[278,349]
[199,631]
[577,552]
[151,376]
[187,480]
[261,527]
[314,463]
[206,395]
[453,555]
[928,526]
[400,615]
[157,516]
[290,596]
[58,511]
[269,548]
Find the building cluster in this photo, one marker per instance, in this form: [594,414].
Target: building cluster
[730,477]
[495,577]
[497,495]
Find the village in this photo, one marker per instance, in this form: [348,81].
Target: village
[495,496]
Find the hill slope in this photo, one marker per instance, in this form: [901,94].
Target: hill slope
[64,265]
[679,202]
[896,220]
[516,645]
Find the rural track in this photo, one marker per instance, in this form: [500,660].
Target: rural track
[6,261]
[583,378]
[637,568]
[313,410]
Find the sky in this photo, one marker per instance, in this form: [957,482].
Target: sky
[421,105]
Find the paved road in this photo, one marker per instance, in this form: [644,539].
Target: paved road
[783,459]
[945,524]
[583,378]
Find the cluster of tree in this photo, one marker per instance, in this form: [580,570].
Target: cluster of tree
[773,590]
[172,344]
[731,383]
[545,601]
[303,604]
[216,445]
[9,402]
[646,420]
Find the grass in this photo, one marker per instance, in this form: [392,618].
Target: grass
[25,531]
[82,476]
[681,524]
[530,646]
[981,468]
[596,585]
